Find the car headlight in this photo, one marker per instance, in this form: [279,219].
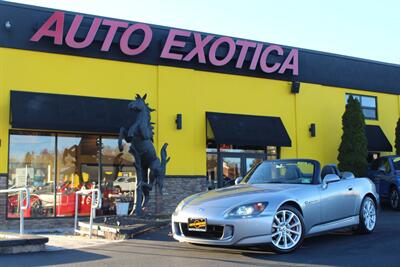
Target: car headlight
[247,210]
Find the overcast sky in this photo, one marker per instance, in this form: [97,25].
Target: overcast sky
[360,28]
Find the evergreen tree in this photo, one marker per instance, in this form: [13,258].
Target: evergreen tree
[397,140]
[353,150]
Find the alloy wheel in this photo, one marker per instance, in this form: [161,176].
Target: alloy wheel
[286,230]
[369,214]
[394,199]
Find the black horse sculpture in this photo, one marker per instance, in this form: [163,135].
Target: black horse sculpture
[150,169]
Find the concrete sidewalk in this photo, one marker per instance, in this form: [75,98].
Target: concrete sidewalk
[64,238]
[63,241]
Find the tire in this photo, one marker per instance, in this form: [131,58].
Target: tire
[394,199]
[37,208]
[287,236]
[367,216]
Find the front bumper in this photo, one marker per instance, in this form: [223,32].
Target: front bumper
[238,231]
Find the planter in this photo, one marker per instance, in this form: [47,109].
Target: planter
[122,208]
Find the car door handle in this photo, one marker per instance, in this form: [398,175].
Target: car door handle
[350,188]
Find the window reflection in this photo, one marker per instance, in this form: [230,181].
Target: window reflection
[230,170]
[212,170]
[118,175]
[77,169]
[54,177]
[31,163]
[234,161]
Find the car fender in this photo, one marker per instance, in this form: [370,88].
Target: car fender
[365,186]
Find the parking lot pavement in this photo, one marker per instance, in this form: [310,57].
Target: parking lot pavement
[343,248]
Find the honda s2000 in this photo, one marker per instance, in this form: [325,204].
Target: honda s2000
[278,203]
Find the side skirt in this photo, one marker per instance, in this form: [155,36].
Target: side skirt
[343,223]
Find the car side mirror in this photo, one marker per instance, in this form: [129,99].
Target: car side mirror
[330,178]
[238,180]
[347,175]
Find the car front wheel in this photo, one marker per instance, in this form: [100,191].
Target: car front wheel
[368,216]
[287,230]
[394,199]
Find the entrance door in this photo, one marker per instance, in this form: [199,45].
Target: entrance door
[231,169]
[225,165]
[234,165]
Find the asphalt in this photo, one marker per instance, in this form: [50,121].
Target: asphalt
[157,248]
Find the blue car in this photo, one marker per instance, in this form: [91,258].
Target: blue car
[385,172]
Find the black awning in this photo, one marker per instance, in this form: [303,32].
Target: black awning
[248,130]
[377,140]
[67,113]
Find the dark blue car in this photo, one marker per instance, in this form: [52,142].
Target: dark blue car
[385,172]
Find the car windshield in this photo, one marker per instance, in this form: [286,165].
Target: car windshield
[282,172]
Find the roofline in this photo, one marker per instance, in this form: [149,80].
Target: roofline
[317,52]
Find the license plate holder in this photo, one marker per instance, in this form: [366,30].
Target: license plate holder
[197,224]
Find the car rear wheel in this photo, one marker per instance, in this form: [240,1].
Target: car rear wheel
[394,199]
[367,216]
[287,230]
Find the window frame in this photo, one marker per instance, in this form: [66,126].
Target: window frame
[365,107]
[55,135]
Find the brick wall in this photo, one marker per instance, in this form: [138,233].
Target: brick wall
[175,189]
[3,198]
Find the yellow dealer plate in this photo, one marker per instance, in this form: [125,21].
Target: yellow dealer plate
[198,225]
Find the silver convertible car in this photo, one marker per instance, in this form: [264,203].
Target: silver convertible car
[278,203]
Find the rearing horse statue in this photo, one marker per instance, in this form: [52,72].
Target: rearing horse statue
[140,136]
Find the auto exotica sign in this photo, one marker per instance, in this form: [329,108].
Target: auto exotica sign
[215,50]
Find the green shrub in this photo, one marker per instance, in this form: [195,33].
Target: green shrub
[353,150]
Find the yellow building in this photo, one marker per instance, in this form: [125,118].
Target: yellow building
[222,103]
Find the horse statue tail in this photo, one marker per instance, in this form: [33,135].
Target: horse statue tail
[164,160]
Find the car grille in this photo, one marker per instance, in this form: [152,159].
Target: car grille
[213,232]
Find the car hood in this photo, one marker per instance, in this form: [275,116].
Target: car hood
[226,197]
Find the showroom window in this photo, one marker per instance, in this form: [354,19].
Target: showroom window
[55,166]
[32,164]
[368,105]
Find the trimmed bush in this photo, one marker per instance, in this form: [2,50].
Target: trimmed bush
[353,150]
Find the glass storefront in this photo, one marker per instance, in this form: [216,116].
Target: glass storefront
[32,163]
[118,174]
[55,166]
[77,168]
[228,162]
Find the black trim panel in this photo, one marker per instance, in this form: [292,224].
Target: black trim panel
[314,67]
[68,113]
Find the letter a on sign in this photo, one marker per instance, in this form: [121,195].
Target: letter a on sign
[56,19]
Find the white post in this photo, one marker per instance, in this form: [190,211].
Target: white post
[21,213]
[22,207]
[91,215]
[26,175]
[76,212]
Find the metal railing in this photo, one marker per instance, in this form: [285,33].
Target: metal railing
[22,207]
[96,204]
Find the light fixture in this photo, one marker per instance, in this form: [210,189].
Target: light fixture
[178,121]
[312,130]
[295,87]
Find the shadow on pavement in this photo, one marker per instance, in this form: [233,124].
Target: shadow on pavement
[50,258]
[340,248]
